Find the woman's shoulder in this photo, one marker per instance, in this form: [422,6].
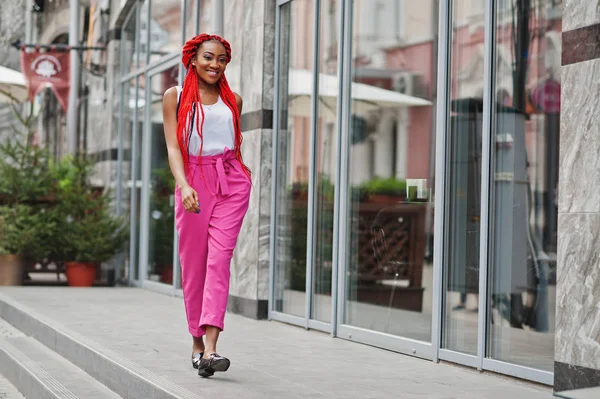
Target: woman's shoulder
[172,94]
[173,91]
[239,101]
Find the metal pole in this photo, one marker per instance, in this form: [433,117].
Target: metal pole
[28,34]
[72,112]
[521,53]
[28,23]
[218,17]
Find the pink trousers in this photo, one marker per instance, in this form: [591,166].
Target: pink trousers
[207,239]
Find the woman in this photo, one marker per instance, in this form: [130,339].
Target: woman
[203,135]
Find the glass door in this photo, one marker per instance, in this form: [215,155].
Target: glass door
[306,168]
[292,158]
[521,300]
[386,223]
[500,173]
[460,313]
[415,177]
[344,82]
[158,215]
[132,115]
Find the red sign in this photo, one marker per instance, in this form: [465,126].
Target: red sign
[48,68]
[546,97]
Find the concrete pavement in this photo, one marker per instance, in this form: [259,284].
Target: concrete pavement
[146,332]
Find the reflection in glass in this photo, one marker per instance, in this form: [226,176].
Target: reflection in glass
[389,271]
[292,162]
[191,14]
[523,220]
[131,170]
[128,44]
[464,178]
[164,29]
[162,187]
[125,92]
[205,22]
[141,55]
[326,162]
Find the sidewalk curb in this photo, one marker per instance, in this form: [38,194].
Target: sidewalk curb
[122,376]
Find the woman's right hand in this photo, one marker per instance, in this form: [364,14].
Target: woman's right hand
[189,198]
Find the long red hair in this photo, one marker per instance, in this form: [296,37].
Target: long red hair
[190,100]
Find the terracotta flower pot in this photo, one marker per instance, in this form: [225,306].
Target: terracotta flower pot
[11,270]
[167,274]
[80,274]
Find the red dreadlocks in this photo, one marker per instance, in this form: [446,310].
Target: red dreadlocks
[190,100]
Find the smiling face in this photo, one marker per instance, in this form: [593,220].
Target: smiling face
[210,62]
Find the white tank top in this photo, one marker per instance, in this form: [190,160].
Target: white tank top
[217,131]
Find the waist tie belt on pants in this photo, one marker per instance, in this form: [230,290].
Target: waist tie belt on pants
[222,162]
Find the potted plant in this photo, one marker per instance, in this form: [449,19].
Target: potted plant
[162,224]
[89,233]
[17,231]
[384,190]
[25,186]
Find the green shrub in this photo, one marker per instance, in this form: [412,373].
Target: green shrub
[17,229]
[162,218]
[26,184]
[384,186]
[89,232]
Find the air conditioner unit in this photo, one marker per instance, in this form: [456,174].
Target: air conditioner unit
[408,83]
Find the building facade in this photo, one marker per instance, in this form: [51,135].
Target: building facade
[424,175]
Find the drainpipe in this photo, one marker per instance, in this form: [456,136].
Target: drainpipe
[217,17]
[72,112]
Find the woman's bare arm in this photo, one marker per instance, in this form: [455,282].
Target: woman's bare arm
[170,127]
[188,195]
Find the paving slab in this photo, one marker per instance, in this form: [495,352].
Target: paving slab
[269,359]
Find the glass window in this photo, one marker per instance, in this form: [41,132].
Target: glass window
[128,44]
[138,136]
[389,274]
[165,29]
[162,185]
[142,32]
[206,14]
[190,19]
[326,159]
[463,184]
[295,93]
[524,181]
[131,168]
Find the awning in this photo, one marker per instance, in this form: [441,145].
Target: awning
[365,97]
[12,86]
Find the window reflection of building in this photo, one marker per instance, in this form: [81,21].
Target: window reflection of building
[391,175]
[397,142]
[164,30]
